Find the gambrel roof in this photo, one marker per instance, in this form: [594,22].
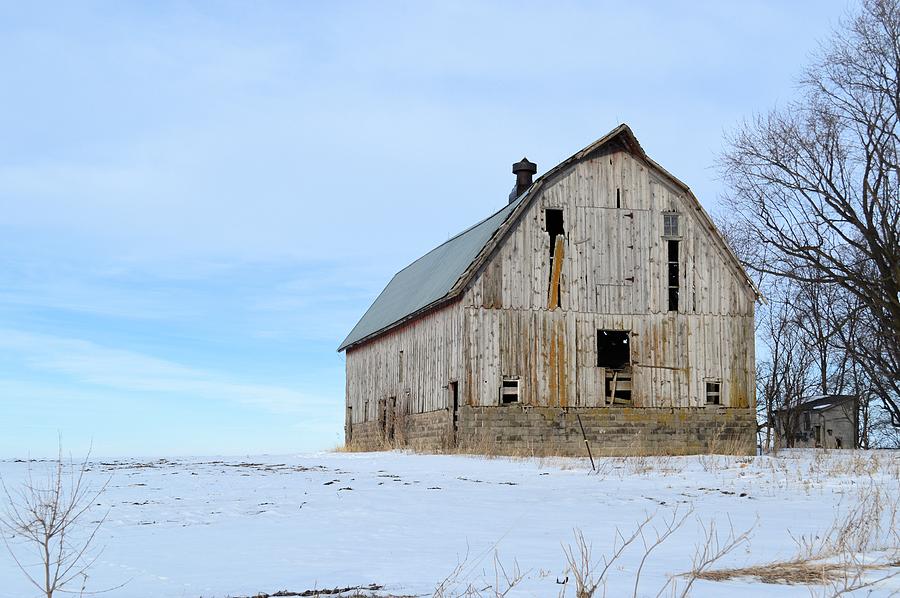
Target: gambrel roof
[443,273]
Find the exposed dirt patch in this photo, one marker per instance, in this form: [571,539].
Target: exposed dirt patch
[348,592]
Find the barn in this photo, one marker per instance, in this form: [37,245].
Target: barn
[600,303]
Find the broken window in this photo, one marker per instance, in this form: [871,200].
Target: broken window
[509,391]
[556,230]
[555,226]
[614,354]
[612,349]
[618,387]
[673,248]
[713,392]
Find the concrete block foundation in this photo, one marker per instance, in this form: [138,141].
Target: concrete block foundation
[546,431]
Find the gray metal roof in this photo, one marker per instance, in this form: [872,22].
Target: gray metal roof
[429,278]
[824,402]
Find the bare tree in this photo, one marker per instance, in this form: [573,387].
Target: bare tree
[816,184]
[789,371]
[47,514]
[810,334]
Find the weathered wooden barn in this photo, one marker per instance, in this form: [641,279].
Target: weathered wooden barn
[602,291]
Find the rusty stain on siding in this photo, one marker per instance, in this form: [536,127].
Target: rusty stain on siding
[563,369]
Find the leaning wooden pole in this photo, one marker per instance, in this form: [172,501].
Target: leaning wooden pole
[586,443]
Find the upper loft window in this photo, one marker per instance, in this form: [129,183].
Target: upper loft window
[713,392]
[671,225]
[554,225]
[556,230]
[674,278]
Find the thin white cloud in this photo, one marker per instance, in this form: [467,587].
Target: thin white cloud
[131,372]
[92,297]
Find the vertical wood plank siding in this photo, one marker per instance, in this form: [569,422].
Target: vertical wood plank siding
[432,353]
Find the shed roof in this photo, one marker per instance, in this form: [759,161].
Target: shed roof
[822,402]
[443,272]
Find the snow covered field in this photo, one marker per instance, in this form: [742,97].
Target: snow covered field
[236,527]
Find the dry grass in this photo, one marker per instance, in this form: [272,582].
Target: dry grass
[465,581]
[793,572]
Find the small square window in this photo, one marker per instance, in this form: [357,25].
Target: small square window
[670,225]
[509,391]
[713,392]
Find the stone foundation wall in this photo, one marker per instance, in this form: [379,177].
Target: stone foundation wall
[426,432]
[611,431]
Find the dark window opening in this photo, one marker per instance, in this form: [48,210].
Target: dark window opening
[618,198]
[366,411]
[555,226]
[673,277]
[509,391]
[714,393]
[673,299]
[673,251]
[613,349]
[673,274]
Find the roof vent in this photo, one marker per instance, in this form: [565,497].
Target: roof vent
[524,172]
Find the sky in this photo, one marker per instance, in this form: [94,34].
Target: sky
[198,200]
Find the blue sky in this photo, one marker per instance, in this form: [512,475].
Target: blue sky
[199,200]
